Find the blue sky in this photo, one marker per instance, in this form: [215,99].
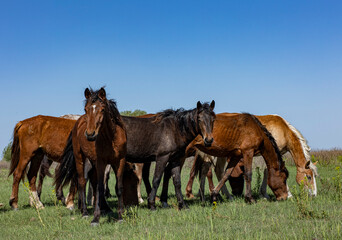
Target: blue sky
[262,57]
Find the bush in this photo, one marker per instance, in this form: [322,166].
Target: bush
[6,153]
[136,113]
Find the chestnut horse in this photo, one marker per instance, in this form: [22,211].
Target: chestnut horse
[32,139]
[100,136]
[288,139]
[243,136]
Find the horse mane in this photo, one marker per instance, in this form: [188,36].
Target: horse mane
[303,142]
[185,118]
[111,103]
[272,140]
[179,113]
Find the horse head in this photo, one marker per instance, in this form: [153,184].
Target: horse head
[96,104]
[205,121]
[307,176]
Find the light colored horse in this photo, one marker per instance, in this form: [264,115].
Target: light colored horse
[288,139]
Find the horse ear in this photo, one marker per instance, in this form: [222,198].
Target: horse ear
[87,93]
[199,106]
[315,163]
[307,165]
[102,93]
[212,105]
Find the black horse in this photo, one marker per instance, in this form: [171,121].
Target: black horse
[164,138]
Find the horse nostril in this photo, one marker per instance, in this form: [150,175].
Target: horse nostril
[209,140]
[89,135]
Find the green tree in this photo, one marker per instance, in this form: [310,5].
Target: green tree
[6,153]
[135,113]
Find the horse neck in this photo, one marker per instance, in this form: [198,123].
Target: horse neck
[108,126]
[190,129]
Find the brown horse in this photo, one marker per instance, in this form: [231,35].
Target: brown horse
[168,134]
[288,139]
[100,136]
[243,136]
[32,139]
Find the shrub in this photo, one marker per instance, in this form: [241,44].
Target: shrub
[6,153]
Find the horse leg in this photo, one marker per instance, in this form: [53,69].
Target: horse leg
[106,180]
[146,177]
[225,177]
[139,172]
[175,171]
[44,170]
[263,186]
[32,177]
[193,173]
[219,171]
[236,180]
[203,173]
[119,186]
[247,160]
[81,182]
[158,173]
[99,199]
[165,190]
[210,180]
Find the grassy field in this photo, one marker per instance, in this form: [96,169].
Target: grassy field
[298,218]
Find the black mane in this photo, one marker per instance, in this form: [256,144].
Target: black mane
[272,140]
[185,118]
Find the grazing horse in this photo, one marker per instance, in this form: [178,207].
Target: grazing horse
[288,139]
[241,137]
[34,138]
[100,136]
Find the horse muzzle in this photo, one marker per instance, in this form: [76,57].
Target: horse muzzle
[208,141]
[90,137]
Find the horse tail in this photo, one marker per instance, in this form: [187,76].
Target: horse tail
[66,172]
[15,151]
[272,140]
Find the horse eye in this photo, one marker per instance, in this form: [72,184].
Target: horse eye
[308,177]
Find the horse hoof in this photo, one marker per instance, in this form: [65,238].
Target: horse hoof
[120,221]
[15,209]
[250,200]
[94,224]
[85,216]
[71,208]
[165,205]
[152,208]
[184,207]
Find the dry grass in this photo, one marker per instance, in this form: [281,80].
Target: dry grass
[330,157]
[4,164]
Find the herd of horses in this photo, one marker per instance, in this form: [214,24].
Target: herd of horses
[86,145]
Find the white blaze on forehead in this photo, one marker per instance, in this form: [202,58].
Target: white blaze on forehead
[94,106]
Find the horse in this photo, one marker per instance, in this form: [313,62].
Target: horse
[288,139]
[100,136]
[241,137]
[34,138]
[163,138]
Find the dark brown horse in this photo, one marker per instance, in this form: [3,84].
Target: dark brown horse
[100,136]
[34,138]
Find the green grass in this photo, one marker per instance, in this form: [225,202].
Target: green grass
[228,220]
